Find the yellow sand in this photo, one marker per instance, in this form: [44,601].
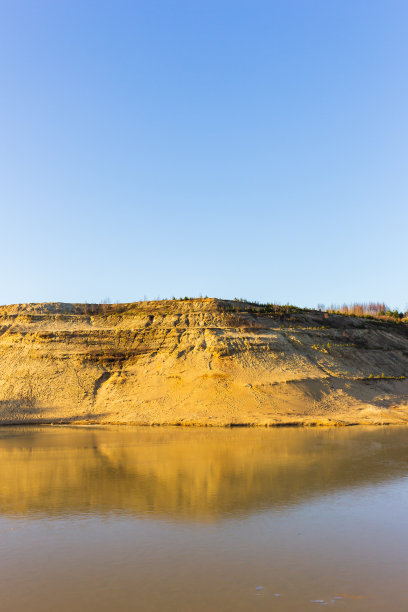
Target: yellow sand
[199,362]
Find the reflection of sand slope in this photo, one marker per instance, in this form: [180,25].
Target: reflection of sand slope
[201,474]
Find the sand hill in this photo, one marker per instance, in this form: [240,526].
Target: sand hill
[199,362]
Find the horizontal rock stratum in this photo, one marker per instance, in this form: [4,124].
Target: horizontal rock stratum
[199,362]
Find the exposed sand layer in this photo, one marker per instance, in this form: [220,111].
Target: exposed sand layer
[199,362]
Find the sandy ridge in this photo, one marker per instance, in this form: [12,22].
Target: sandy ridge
[199,362]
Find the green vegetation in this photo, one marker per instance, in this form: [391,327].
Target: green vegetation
[377,310]
[371,310]
[242,305]
[384,377]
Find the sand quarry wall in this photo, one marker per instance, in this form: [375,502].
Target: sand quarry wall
[199,362]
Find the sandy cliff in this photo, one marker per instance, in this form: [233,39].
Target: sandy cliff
[201,361]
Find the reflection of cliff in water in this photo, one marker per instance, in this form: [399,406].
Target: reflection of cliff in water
[190,474]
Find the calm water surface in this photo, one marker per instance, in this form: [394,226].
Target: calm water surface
[190,520]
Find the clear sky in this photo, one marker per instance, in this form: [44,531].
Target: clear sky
[227,148]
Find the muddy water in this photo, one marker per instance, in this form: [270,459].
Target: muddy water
[192,520]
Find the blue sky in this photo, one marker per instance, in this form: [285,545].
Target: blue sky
[234,148]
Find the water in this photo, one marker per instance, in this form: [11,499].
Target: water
[210,519]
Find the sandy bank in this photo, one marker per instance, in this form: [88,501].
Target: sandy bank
[199,362]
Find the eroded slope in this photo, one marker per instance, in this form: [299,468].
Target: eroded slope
[198,361]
